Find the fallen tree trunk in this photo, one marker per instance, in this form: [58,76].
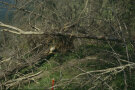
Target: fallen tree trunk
[19,31]
[23,79]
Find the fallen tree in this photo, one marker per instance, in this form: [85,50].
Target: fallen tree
[19,31]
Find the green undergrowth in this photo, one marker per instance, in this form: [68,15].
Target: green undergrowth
[60,67]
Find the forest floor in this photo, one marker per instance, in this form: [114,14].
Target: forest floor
[85,68]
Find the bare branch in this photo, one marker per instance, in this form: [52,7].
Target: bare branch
[16,30]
